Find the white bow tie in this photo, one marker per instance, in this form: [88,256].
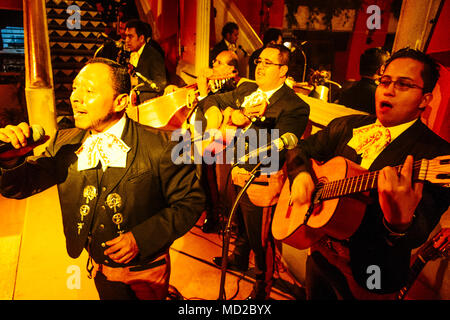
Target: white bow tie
[106,148]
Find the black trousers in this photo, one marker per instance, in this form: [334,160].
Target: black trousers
[254,234]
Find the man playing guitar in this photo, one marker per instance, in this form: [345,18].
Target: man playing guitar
[401,213]
[267,105]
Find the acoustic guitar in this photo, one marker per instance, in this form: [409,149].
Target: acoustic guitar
[233,119]
[437,247]
[339,200]
[170,111]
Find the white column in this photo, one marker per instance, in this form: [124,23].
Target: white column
[202,35]
[414,25]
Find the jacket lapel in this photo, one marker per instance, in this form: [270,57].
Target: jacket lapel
[395,153]
[277,95]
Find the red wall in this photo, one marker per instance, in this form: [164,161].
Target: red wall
[439,48]
[440,40]
[11,4]
[357,44]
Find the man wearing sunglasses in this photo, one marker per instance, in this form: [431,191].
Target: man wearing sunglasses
[284,112]
[374,262]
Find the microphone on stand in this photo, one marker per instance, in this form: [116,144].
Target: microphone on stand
[299,46]
[118,44]
[152,85]
[286,141]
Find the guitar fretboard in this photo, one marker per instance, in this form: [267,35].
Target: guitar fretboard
[366,181]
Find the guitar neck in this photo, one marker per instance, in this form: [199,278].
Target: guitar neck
[365,182]
[414,272]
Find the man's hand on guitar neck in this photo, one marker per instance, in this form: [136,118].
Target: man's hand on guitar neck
[302,188]
[398,196]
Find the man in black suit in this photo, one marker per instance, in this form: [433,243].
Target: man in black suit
[361,95]
[122,198]
[230,35]
[147,58]
[401,214]
[285,112]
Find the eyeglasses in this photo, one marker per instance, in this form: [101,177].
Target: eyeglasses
[266,63]
[400,84]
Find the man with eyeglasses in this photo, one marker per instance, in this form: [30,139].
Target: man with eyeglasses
[223,77]
[402,212]
[285,112]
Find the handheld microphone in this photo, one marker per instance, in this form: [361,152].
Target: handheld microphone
[37,133]
[286,141]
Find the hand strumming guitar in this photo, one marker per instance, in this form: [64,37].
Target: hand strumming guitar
[302,188]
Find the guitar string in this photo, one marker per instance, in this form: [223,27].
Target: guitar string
[345,186]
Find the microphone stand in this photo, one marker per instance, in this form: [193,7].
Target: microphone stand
[304,65]
[140,76]
[227,234]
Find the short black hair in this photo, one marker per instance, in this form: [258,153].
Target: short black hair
[285,53]
[234,62]
[119,75]
[229,27]
[141,27]
[371,60]
[272,34]
[430,72]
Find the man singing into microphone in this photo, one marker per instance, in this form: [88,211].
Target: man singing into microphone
[121,196]
[284,112]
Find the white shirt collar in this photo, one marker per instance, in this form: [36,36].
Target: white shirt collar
[117,128]
[230,46]
[141,49]
[271,92]
[395,131]
[136,55]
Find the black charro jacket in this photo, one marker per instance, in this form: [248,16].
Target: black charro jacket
[159,201]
